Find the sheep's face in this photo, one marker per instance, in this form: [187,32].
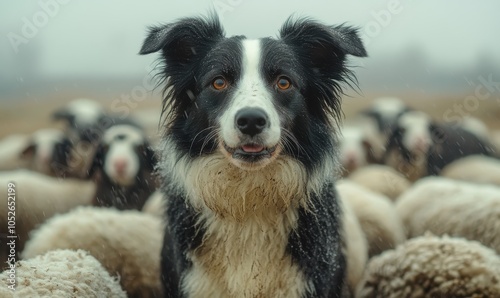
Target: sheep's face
[48,151]
[124,154]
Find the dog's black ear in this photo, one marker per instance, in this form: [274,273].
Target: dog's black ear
[320,43]
[183,40]
[322,52]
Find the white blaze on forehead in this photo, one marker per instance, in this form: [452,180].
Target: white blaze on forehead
[252,92]
[133,135]
[416,125]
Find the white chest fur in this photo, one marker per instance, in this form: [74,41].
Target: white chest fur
[248,217]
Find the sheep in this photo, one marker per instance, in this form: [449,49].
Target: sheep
[356,148]
[381,179]
[475,168]
[420,146]
[48,151]
[11,148]
[429,266]
[446,206]
[476,127]
[84,118]
[59,273]
[385,111]
[38,197]
[155,204]
[356,246]
[45,151]
[377,216]
[123,168]
[127,243]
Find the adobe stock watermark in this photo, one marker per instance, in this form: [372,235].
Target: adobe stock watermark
[223,6]
[485,90]
[31,26]
[381,19]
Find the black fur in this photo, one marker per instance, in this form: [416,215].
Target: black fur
[313,56]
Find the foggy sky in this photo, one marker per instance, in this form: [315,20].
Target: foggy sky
[101,38]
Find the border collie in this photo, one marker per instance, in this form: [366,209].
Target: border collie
[248,158]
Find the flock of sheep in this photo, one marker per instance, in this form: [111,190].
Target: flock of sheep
[421,202]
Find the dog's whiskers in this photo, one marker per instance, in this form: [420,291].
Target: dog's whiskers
[196,136]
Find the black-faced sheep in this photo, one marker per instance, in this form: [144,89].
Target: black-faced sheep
[357,148]
[384,112]
[37,198]
[376,214]
[46,151]
[123,168]
[420,146]
[381,179]
[433,267]
[127,243]
[84,118]
[445,206]
[60,273]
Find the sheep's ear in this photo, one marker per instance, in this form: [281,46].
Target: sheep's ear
[322,44]
[183,40]
[29,151]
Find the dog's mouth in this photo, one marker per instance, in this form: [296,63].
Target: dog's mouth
[251,153]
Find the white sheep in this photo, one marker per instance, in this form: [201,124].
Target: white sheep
[356,247]
[11,148]
[155,204]
[376,214]
[457,208]
[381,179]
[38,197]
[475,168]
[127,243]
[59,273]
[476,127]
[433,267]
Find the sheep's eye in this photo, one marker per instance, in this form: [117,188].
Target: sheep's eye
[283,83]
[219,83]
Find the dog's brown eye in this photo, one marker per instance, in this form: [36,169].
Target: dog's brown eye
[219,83]
[283,83]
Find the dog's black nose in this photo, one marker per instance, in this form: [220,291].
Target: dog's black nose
[251,121]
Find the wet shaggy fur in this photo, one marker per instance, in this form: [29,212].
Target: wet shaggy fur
[241,223]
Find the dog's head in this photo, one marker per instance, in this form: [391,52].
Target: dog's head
[253,99]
